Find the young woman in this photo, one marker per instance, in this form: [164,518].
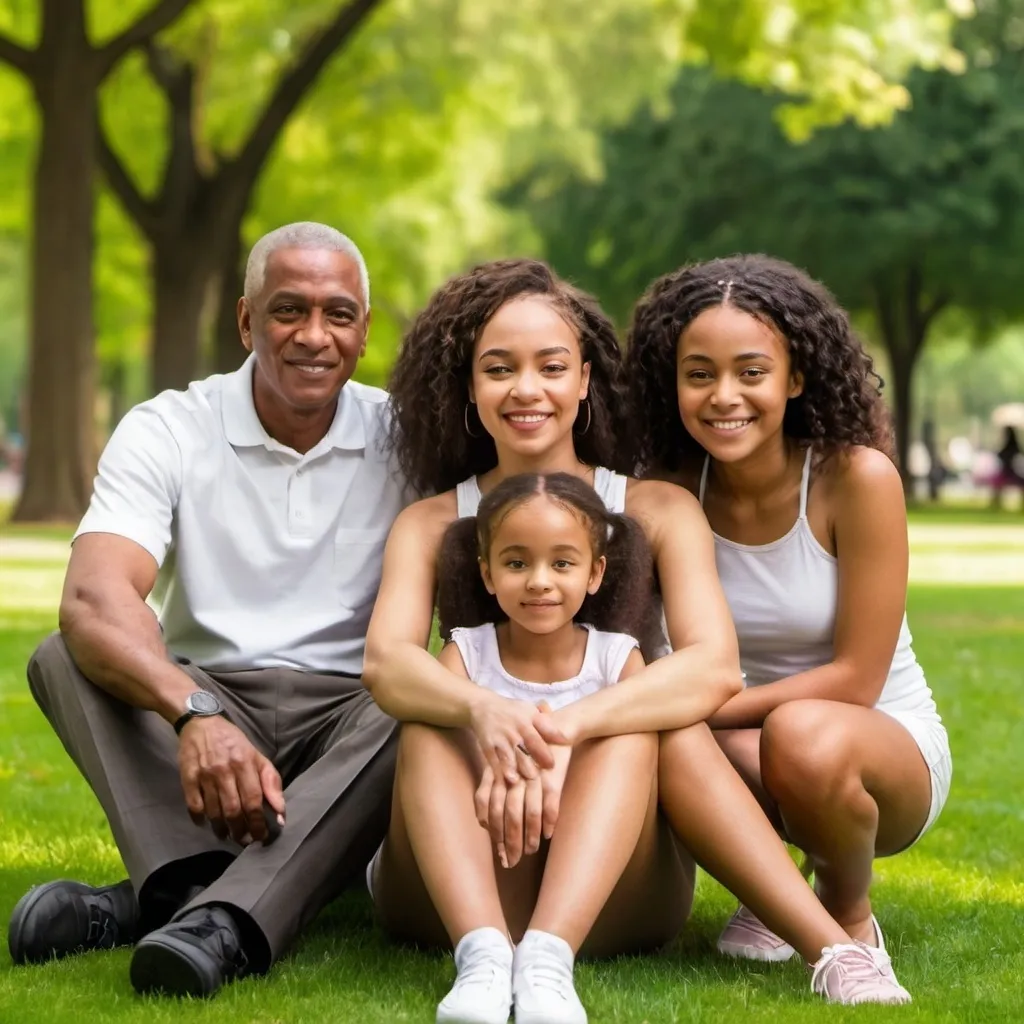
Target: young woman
[749,387]
[510,370]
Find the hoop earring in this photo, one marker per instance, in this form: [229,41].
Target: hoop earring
[465,419]
[587,427]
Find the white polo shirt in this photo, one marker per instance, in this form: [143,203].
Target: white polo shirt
[267,557]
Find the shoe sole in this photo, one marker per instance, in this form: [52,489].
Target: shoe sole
[768,956]
[16,929]
[163,964]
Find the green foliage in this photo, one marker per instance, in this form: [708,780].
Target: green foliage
[939,192]
[436,105]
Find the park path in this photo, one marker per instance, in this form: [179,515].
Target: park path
[32,568]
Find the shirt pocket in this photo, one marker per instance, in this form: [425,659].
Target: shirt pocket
[358,556]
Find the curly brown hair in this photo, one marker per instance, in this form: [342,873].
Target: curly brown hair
[624,603]
[429,383]
[841,403]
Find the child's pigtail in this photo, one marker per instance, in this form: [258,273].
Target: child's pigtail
[462,598]
[625,601]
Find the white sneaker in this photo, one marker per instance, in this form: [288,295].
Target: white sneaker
[854,973]
[542,982]
[482,993]
[746,937]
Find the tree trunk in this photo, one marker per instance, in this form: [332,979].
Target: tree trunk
[903,359]
[182,281]
[228,351]
[61,440]
[904,317]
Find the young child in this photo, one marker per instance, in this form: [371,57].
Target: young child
[545,596]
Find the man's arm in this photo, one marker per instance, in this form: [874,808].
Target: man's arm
[115,638]
[112,633]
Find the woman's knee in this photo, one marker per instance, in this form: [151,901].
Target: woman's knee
[807,755]
[636,751]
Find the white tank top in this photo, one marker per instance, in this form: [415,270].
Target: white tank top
[783,597]
[603,661]
[610,487]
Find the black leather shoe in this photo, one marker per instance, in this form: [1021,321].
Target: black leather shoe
[192,956]
[61,918]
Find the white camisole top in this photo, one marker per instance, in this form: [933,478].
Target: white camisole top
[603,662]
[783,597]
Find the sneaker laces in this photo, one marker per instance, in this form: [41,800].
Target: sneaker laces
[548,974]
[483,969]
[746,919]
[855,964]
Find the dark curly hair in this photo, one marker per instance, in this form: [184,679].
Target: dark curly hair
[429,383]
[623,603]
[841,403]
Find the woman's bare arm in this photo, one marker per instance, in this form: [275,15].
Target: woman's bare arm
[703,670]
[871,544]
[411,685]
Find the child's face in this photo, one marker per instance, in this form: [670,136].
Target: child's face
[541,566]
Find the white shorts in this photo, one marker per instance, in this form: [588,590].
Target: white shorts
[929,734]
[371,871]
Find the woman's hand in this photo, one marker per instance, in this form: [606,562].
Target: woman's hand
[519,816]
[514,737]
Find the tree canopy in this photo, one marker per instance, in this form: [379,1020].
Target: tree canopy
[904,222]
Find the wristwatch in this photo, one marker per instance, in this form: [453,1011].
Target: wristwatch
[201,704]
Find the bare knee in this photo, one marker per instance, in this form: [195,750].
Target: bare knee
[807,757]
[636,751]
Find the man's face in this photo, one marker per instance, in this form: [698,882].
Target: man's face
[307,326]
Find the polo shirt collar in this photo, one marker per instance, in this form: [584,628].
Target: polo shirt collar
[243,429]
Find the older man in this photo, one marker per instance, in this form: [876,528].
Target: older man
[250,512]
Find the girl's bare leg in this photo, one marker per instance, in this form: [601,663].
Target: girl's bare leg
[433,827]
[720,822]
[613,875]
[436,777]
[850,784]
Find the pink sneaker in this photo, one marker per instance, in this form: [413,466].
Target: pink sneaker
[851,974]
[746,937]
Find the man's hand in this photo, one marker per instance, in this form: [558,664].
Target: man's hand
[225,779]
[514,737]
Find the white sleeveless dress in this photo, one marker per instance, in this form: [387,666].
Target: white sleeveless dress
[603,662]
[784,597]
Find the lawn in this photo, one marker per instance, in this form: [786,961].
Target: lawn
[952,907]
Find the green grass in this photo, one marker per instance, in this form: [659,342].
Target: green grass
[952,906]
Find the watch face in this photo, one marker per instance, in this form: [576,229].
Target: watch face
[203,703]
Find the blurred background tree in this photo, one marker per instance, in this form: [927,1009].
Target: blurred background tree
[400,122]
[910,222]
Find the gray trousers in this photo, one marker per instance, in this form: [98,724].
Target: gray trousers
[335,750]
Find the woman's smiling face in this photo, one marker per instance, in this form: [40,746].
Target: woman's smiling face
[733,381]
[528,377]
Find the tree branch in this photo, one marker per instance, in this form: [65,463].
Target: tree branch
[17,56]
[935,307]
[139,208]
[294,84]
[156,19]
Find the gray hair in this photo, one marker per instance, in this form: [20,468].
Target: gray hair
[301,235]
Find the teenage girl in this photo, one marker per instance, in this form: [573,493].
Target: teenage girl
[749,387]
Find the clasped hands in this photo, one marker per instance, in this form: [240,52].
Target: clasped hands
[526,752]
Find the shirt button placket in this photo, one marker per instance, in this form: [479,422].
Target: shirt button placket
[300,511]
